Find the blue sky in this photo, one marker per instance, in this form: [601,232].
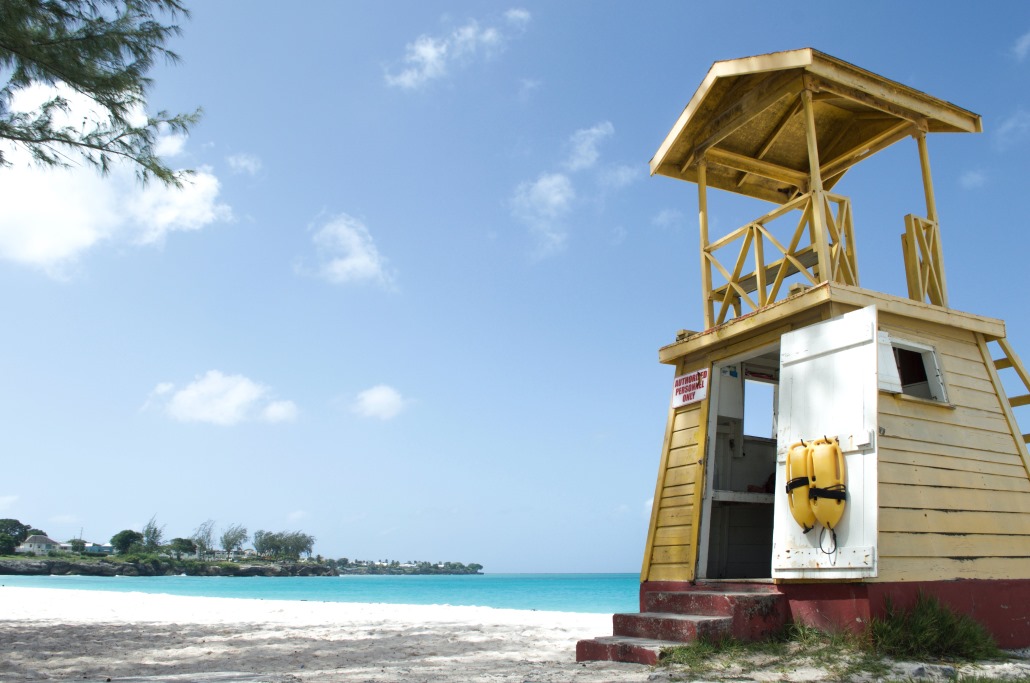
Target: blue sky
[411,303]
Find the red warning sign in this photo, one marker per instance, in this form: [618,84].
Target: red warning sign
[690,388]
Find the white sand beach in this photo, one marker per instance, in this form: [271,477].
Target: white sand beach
[99,636]
[72,635]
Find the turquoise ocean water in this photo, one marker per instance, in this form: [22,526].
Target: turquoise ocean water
[598,593]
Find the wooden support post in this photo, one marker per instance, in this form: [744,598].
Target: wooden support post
[924,164]
[760,274]
[706,266]
[818,205]
[937,256]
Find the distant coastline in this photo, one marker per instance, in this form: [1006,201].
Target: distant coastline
[190,567]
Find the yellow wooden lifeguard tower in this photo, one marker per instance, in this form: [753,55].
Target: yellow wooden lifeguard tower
[935,483]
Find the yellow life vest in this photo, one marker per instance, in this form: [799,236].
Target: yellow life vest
[827,489]
[798,481]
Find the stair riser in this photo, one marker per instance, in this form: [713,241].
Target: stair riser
[593,651]
[755,616]
[658,628]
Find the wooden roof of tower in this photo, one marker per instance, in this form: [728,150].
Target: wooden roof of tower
[746,121]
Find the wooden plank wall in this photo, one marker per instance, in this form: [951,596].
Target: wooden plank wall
[671,553]
[954,492]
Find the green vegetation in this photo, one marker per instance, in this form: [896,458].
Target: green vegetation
[102,49]
[127,540]
[12,533]
[928,632]
[275,553]
[283,545]
[841,654]
[234,536]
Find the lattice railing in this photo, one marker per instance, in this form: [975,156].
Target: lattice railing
[800,256]
[924,261]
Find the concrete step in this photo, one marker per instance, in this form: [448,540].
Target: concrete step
[622,649]
[756,615]
[682,628]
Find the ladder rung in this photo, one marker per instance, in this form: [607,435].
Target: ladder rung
[1020,400]
[1002,363]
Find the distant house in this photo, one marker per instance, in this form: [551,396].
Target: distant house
[37,543]
[99,548]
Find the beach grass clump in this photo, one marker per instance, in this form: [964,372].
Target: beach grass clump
[696,656]
[930,630]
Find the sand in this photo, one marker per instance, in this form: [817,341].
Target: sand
[97,635]
[56,634]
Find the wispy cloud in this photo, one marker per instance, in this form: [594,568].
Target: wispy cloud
[7,502]
[668,218]
[1021,48]
[543,204]
[1013,130]
[347,254]
[224,400]
[973,179]
[382,402]
[527,86]
[429,58]
[244,163]
[619,176]
[53,216]
[297,515]
[583,146]
[518,17]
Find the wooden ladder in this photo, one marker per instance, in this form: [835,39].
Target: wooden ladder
[1011,360]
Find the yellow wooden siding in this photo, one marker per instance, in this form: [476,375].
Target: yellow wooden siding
[671,553]
[954,495]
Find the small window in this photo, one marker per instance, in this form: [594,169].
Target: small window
[910,368]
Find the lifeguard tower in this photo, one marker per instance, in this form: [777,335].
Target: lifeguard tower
[934,478]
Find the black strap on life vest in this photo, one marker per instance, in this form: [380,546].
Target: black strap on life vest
[797,482]
[835,492]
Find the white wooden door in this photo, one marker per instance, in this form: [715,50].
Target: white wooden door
[828,388]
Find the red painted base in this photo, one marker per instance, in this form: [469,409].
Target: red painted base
[1002,606]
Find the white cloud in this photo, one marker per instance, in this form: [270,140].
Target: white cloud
[64,519]
[1021,48]
[429,58]
[1013,130]
[297,515]
[668,218]
[160,210]
[648,505]
[583,152]
[527,86]
[973,179]
[224,400]
[542,204]
[619,176]
[381,401]
[171,145]
[244,163]
[52,216]
[346,253]
[518,17]
[280,411]
[7,502]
